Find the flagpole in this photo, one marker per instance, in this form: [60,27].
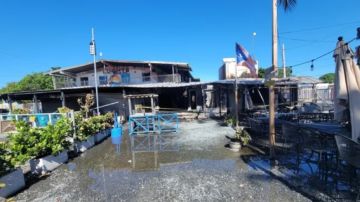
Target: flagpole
[236,98]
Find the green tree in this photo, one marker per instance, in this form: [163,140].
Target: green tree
[328,78]
[261,72]
[281,72]
[31,82]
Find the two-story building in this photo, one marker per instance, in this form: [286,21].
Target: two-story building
[171,81]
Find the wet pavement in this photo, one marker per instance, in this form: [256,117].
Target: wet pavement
[191,165]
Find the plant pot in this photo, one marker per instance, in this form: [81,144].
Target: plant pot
[48,163]
[235,145]
[85,145]
[26,168]
[107,132]
[100,136]
[14,182]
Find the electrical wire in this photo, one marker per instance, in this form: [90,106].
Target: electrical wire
[320,27]
[323,55]
[305,40]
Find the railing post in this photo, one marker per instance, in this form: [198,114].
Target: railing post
[50,119]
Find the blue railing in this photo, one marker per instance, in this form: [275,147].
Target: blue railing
[150,123]
[38,120]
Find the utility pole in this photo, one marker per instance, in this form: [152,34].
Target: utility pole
[271,86]
[93,53]
[283,60]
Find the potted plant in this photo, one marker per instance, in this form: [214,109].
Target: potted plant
[46,148]
[229,121]
[241,138]
[84,134]
[99,127]
[52,147]
[11,178]
[109,123]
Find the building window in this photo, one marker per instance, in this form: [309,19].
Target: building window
[146,76]
[103,80]
[84,81]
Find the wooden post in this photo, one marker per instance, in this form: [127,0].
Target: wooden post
[173,73]
[152,105]
[62,98]
[129,103]
[9,101]
[36,109]
[150,66]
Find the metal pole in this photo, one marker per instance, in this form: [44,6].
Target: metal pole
[283,60]
[271,87]
[95,73]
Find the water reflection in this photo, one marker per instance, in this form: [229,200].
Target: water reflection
[145,149]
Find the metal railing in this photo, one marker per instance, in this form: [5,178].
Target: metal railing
[38,120]
[61,82]
[153,123]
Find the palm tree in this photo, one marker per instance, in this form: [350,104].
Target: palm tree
[287,4]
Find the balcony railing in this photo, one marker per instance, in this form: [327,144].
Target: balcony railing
[65,82]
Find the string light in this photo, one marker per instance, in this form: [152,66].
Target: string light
[327,53]
[312,65]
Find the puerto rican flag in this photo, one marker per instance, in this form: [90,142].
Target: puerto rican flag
[243,58]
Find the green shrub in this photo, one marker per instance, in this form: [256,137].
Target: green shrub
[31,142]
[243,136]
[21,111]
[91,126]
[64,110]
[54,137]
[231,121]
[5,164]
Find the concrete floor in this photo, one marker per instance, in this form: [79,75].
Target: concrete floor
[191,165]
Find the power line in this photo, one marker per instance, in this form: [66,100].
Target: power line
[305,40]
[323,55]
[320,27]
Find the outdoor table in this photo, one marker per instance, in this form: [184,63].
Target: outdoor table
[326,128]
[322,142]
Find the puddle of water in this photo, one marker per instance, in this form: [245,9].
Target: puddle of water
[189,165]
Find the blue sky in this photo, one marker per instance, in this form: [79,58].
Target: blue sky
[39,34]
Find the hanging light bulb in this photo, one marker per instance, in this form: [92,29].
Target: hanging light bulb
[358,33]
[312,65]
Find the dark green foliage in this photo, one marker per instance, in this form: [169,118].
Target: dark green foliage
[328,78]
[288,72]
[261,73]
[5,164]
[31,82]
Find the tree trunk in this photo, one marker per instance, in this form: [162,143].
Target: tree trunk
[271,88]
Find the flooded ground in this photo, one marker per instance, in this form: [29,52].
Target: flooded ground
[191,165]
